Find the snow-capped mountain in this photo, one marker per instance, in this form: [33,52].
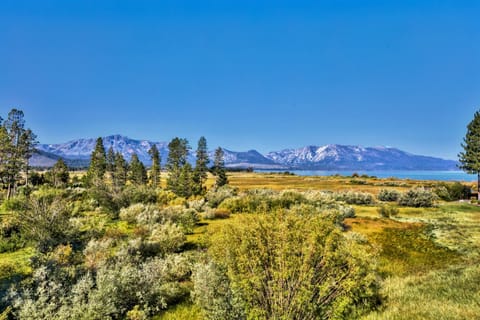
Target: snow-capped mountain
[82,148]
[250,158]
[329,157]
[340,157]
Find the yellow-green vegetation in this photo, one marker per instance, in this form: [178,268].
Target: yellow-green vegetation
[15,263]
[279,181]
[160,248]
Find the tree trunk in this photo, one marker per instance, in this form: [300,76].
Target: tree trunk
[478,186]
[9,191]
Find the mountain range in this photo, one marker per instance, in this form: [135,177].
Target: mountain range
[76,153]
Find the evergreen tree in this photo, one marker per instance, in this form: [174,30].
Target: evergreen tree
[120,172]
[17,145]
[137,174]
[59,175]
[201,167]
[110,163]
[219,168]
[470,157]
[155,169]
[98,165]
[177,159]
[185,182]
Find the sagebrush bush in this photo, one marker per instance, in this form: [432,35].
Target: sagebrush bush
[352,197]
[388,195]
[218,213]
[150,215]
[387,211]
[216,196]
[418,198]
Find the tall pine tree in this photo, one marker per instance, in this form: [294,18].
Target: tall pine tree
[470,157]
[110,163]
[120,171]
[178,176]
[201,167]
[155,169]
[17,146]
[98,165]
[137,174]
[219,168]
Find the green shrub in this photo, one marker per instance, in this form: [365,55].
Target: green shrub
[352,197]
[388,195]
[215,197]
[418,198]
[452,191]
[218,213]
[138,194]
[387,211]
[253,273]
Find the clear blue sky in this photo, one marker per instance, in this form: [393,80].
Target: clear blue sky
[246,74]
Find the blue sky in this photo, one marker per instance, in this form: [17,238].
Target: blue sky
[262,75]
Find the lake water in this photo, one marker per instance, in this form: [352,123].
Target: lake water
[401,174]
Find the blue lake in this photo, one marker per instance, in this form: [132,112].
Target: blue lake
[401,174]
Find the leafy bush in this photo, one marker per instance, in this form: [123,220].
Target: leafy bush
[138,194]
[216,214]
[212,291]
[254,274]
[387,211]
[216,196]
[150,215]
[452,191]
[47,222]
[123,285]
[388,195]
[352,197]
[417,198]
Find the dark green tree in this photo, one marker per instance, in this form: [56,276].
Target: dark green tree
[185,182]
[219,168]
[110,162]
[120,172]
[137,174]
[177,159]
[17,145]
[155,169]
[201,167]
[470,156]
[98,165]
[58,175]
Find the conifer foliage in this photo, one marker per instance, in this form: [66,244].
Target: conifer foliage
[155,169]
[470,156]
[219,168]
[201,167]
[17,145]
[98,165]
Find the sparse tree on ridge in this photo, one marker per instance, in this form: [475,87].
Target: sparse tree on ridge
[137,174]
[98,165]
[219,168]
[201,167]
[470,157]
[156,167]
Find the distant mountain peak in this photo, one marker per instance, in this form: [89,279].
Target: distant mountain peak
[311,157]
